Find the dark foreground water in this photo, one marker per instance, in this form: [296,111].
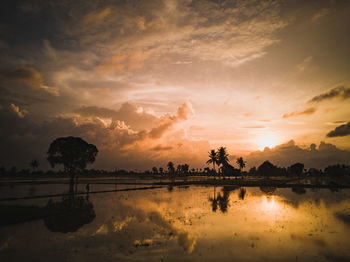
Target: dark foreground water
[178,224]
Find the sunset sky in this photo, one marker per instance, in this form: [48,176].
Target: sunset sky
[158,80]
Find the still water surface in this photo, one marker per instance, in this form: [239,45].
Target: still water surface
[183,224]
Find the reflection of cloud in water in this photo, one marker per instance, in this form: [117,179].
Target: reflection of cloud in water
[344,217]
[180,226]
[315,196]
[146,221]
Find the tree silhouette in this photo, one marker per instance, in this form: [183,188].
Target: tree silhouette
[34,164]
[155,170]
[178,169]
[242,193]
[241,163]
[185,168]
[297,168]
[222,157]
[171,167]
[213,158]
[73,153]
[267,169]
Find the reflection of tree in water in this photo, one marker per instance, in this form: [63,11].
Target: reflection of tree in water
[170,188]
[242,193]
[70,214]
[298,190]
[222,199]
[268,190]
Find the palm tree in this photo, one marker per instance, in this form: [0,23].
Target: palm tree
[171,167]
[222,157]
[241,163]
[213,158]
[178,169]
[34,164]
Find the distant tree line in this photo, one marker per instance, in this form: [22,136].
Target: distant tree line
[73,153]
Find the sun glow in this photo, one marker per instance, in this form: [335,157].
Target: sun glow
[266,141]
[270,204]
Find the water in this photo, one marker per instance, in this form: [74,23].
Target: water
[182,224]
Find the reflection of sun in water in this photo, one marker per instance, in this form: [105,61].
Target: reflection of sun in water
[269,204]
[266,141]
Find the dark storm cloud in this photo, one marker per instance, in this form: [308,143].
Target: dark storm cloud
[342,130]
[29,77]
[19,98]
[340,92]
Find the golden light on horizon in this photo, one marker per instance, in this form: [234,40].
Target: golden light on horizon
[269,141]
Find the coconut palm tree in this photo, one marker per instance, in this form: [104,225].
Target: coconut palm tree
[222,157]
[155,170]
[171,167]
[213,158]
[241,163]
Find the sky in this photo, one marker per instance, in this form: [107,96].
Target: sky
[154,81]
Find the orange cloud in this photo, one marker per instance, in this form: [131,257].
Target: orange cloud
[161,148]
[289,153]
[141,23]
[124,62]
[308,111]
[97,17]
[303,65]
[183,113]
[341,92]
[317,16]
[29,77]
[19,112]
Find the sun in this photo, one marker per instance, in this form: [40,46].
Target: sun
[266,141]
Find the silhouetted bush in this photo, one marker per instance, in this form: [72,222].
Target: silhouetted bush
[296,169]
[337,170]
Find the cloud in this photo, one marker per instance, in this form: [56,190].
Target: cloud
[289,153]
[338,92]
[141,21]
[183,113]
[29,77]
[255,127]
[320,14]
[119,144]
[97,18]
[124,62]
[236,32]
[308,111]
[342,130]
[303,65]
[19,112]
[162,148]
[48,50]
[130,114]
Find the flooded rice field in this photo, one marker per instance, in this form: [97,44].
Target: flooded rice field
[192,223]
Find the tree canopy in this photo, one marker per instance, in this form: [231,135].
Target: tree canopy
[213,158]
[71,152]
